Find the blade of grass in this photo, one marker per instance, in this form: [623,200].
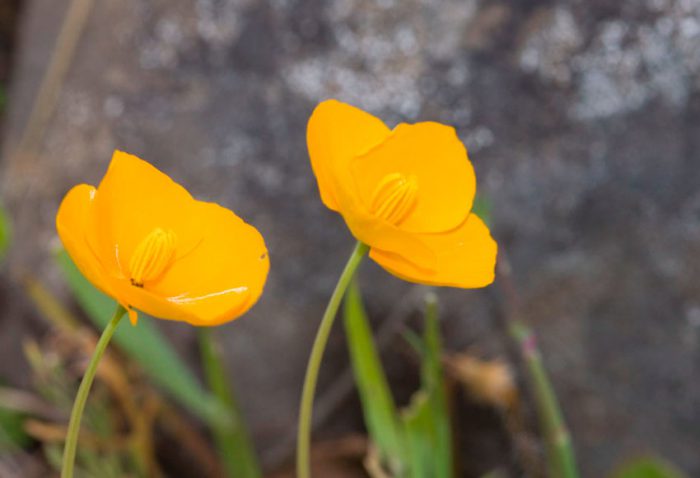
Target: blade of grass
[648,467]
[4,232]
[236,451]
[482,207]
[419,436]
[434,384]
[561,459]
[378,407]
[426,421]
[415,341]
[49,305]
[147,346]
[560,455]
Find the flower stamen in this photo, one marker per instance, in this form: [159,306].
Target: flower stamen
[395,197]
[152,256]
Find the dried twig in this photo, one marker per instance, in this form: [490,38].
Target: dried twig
[51,84]
[25,402]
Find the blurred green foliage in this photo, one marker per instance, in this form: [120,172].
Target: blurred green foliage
[648,467]
[380,412]
[101,453]
[236,450]
[4,232]
[415,442]
[482,207]
[12,434]
[427,419]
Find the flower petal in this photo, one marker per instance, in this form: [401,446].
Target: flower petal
[143,300]
[432,154]
[336,133]
[72,225]
[381,235]
[218,280]
[466,258]
[133,199]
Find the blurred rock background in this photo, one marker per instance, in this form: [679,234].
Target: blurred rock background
[582,119]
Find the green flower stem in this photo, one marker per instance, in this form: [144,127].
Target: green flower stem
[561,459]
[562,462]
[312,369]
[235,447]
[80,400]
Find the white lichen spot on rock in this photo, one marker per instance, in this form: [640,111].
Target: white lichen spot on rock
[627,65]
[547,50]
[378,63]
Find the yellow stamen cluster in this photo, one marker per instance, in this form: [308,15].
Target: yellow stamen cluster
[152,256]
[394,197]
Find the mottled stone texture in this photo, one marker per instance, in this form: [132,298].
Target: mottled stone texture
[582,119]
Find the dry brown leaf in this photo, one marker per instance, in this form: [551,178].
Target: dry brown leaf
[490,382]
[339,458]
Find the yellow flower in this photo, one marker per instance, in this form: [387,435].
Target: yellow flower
[407,193]
[142,239]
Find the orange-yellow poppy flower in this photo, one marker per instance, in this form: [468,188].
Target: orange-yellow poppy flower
[407,193]
[142,239]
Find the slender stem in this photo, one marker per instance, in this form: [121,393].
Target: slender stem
[312,369]
[232,440]
[562,462]
[561,458]
[81,398]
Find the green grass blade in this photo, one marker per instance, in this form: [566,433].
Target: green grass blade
[232,441]
[561,459]
[4,232]
[648,467]
[434,385]
[426,421]
[482,207]
[420,437]
[147,346]
[415,341]
[378,407]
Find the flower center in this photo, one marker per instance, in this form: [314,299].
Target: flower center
[152,256]
[394,197]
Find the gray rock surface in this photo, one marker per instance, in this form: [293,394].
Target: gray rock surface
[582,119]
